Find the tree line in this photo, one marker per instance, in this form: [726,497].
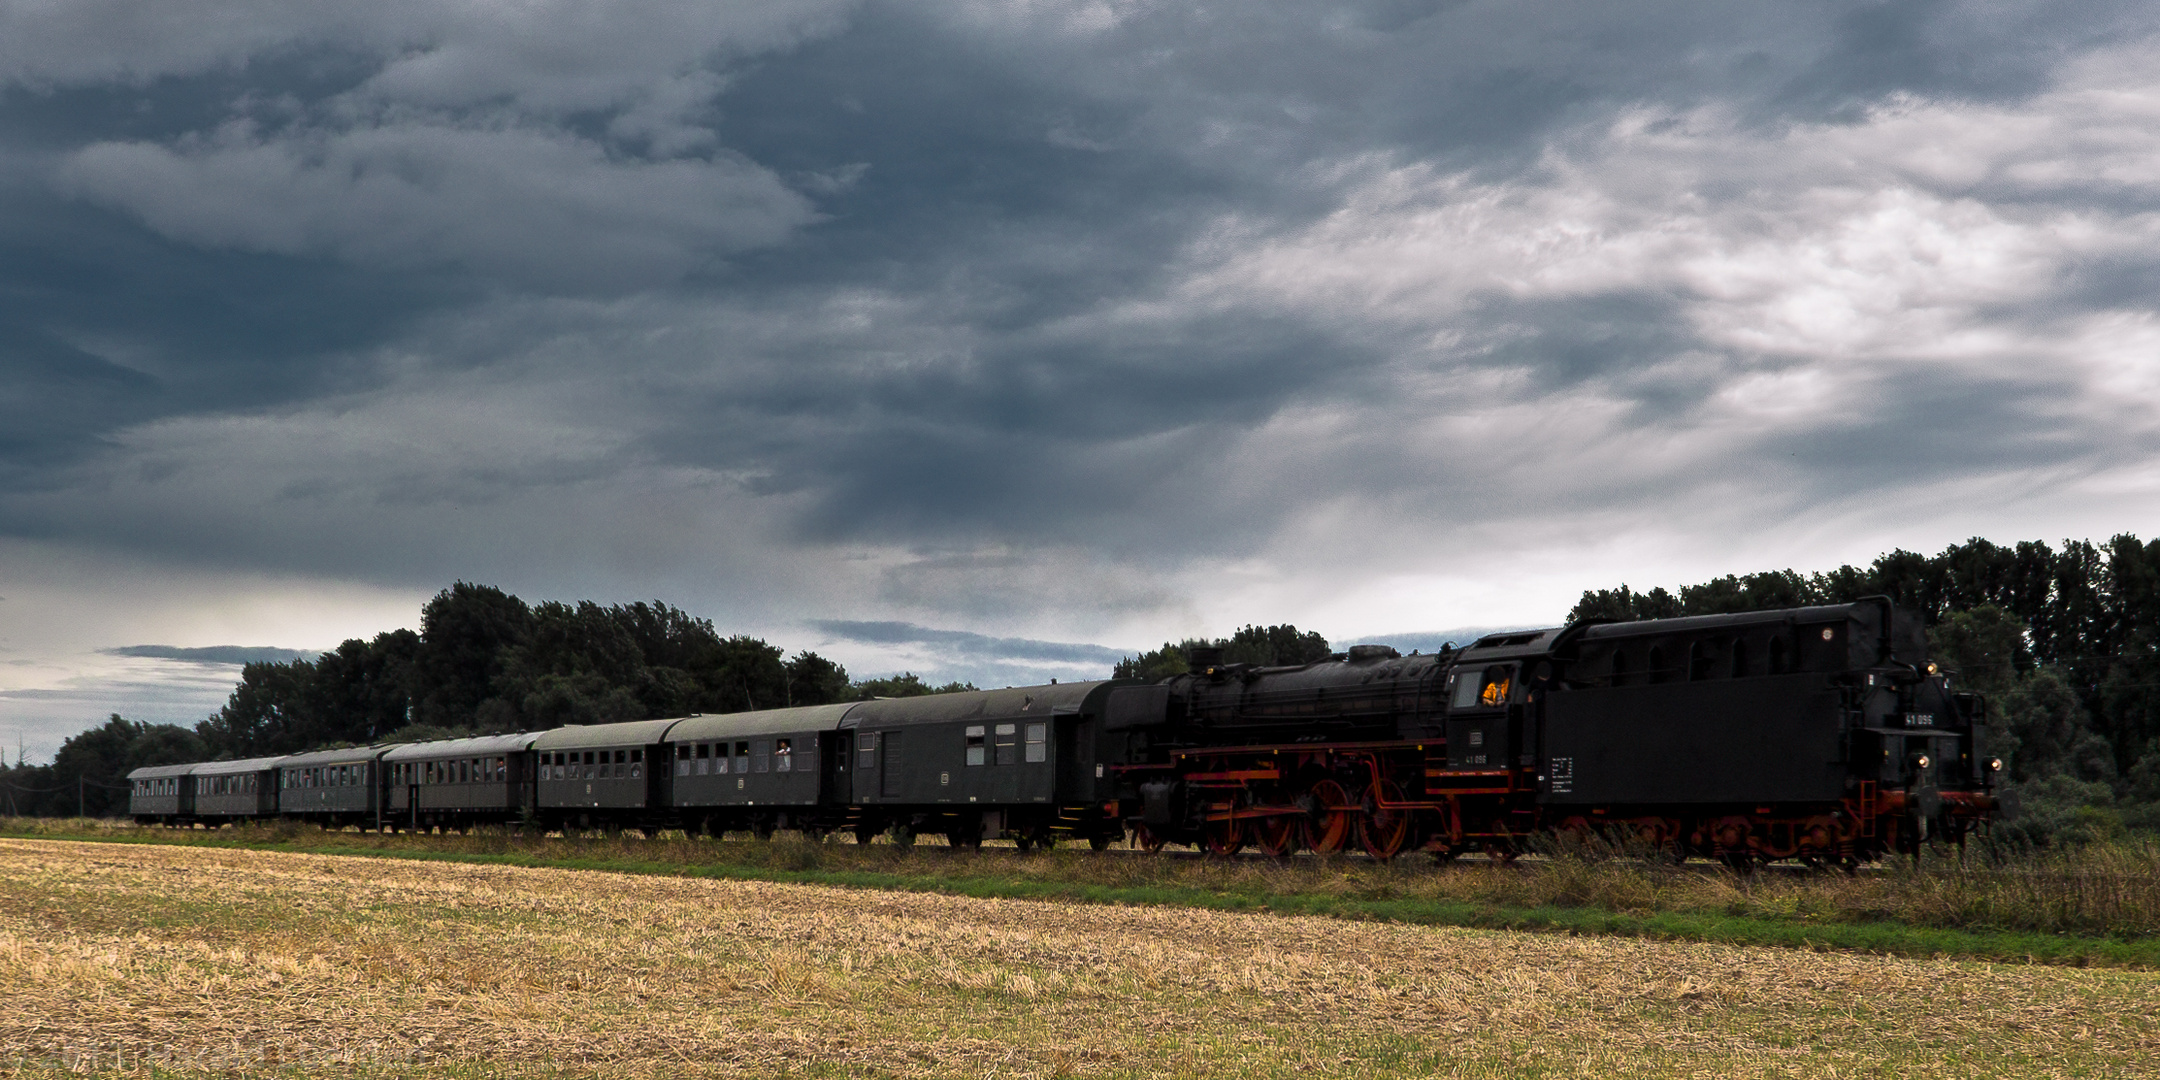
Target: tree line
[482,662]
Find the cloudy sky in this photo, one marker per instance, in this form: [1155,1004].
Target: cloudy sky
[992,339]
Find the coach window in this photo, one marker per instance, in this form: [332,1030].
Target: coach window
[719,759]
[1619,667]
[1038,742]
[975,748]
[637,764]
[1702,660]
[866,751]
[742,758]
[761,756]
[1005,740]
[1657,665]
[502,768]
[1777,655]
[784,755]
[1739,659]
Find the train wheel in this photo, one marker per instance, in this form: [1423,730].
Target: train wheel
[1276,836]
[1145,839]
[1334,818]
[1098,842]
[1384,832]
[1225,837]
[865,832]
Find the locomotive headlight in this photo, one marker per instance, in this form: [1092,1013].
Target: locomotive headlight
[1923,761]
[1994,764]
[1931,667]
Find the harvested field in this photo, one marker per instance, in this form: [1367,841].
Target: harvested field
[212,961]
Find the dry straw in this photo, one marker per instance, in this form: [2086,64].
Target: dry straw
[202,961]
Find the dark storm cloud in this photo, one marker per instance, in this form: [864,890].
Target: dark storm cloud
[962,648]
[429,289]
[216,654]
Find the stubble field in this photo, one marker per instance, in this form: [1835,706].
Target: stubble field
[195,961]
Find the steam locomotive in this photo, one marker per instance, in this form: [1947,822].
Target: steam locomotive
[1821,734]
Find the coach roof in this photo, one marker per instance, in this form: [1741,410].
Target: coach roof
[478,746]
[345,756]
[228,768]
[763,722]
[161,772]
[629,733]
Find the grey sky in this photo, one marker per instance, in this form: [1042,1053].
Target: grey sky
[1096,322]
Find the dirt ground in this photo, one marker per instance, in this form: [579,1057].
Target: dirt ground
[120,958]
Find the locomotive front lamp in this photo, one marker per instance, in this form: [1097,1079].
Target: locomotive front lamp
[1923,761]
[1931,667]
[1994,764]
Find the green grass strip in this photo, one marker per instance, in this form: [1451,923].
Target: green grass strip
[1882,938]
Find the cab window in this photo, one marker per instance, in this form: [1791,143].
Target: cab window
[1485,690]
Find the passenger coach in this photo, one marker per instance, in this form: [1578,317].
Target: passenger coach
[235,790]
[761,771]
[460,783]
[161,794]
[333,788]
[603,775]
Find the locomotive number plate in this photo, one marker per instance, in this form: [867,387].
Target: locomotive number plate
[1919,719]
[1562,772]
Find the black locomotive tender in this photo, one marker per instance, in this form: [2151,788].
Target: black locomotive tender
[1822,734]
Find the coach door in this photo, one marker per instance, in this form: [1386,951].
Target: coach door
[835,753]
[891,785]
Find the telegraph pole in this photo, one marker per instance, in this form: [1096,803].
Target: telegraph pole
[78,794]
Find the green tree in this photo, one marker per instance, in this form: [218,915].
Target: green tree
[814,680]
[905,684]
[1265,646]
